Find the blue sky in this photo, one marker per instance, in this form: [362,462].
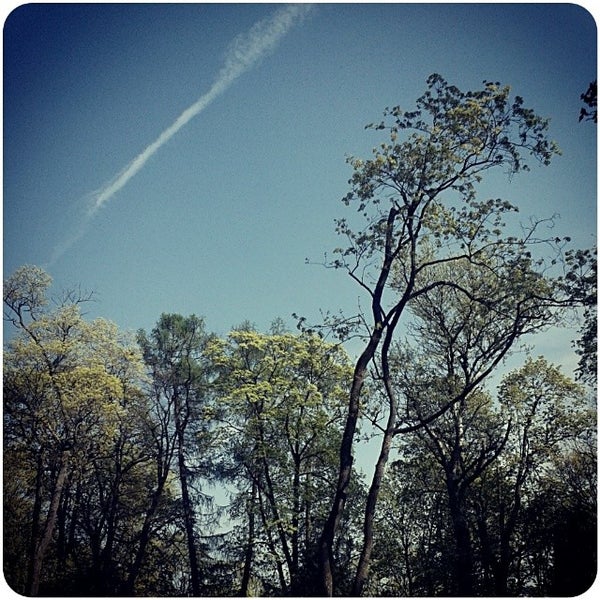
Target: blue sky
[219,220]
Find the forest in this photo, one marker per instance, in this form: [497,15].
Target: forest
[177,462]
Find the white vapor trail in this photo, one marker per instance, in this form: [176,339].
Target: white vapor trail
[245,51]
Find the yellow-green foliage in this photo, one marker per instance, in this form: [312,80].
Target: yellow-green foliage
[65,376]
[281,397]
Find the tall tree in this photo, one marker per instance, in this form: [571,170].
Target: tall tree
[417,193]
[281,398]
[174,353]
[65,381]
[550,417]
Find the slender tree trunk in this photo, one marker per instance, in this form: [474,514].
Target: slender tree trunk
[345,471]
[249,553]
[407,565]
[106,556]
[295,521]
[270,494]
[42,545]
[362,570]
[463,559]
[35,521]
[134,571]
[269,490]
[488,559]
[307,516]
[327,539]
[188,512]
[188,509]
[163,461]
[74,520]
[61,528]
[271,546]
[506,550]
[325,554]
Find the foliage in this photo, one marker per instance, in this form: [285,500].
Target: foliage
[68,387]
[174,354]
[280,398]
[590,98]
[580,283]
[525,512]
[180,463]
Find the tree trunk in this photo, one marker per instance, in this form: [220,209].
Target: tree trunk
[271,545]
[163,461]
[129,586]
[463,559]
[249,553]
[326,542]
[42,545]
[295,520]
[109,582]
[188,516]
[362,570]
[35,520]
[331,525]
[325,554]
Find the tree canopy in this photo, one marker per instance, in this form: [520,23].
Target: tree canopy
[180,462]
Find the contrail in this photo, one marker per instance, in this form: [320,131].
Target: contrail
[244,52]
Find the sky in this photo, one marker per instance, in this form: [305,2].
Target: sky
[188,158]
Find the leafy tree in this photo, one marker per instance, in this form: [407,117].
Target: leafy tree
[550,417]
[418,197]
[527,513]
[464,442]
[280,397]
[174,354]
[66,382]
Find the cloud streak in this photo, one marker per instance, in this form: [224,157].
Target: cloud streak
[244,53]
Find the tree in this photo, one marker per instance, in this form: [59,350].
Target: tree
[580,284]
[458,341]
[65,383]
[528,516]
[550,418]
[465,443]
[174,354]
[280,397]
[417,194]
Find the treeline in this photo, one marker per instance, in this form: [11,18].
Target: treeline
[114,447]
[176,462]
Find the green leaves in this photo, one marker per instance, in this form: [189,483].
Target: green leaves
[548,409]
[451,138]
[278,370]
[280,398]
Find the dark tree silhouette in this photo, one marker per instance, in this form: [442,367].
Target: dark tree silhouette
[590,97]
